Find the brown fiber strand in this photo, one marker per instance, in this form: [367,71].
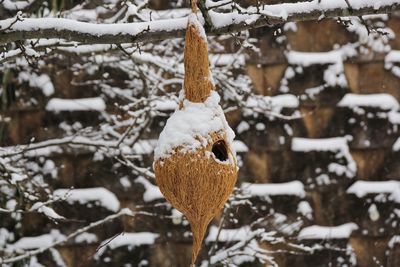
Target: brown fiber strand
[197,185]
[197,83]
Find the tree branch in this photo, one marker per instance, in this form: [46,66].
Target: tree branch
[223,23]
[28,254]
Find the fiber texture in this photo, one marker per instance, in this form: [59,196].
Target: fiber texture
[197,82]
[198,185]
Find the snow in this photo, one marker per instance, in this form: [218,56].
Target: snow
[286,9]
[238,60]
[42,81]
[219,20]
[131,240]
[279,101]
[37,241]
[333,74]
[326,232]
[152,192]
[373,212]
[305,209]
[393,56]
[102,196]
[382,101]
[394,117]
[86,238]
[300,144]
[92,29]
[47,211]
[144,147]
[396,145]
[395,240]
[5,236]
[81,104]
[227,235]
[193,20]
[363,188]
[189,127]
[164,104]
[239,146]
[334,144]
[294,188]
[307,59]
[270,103]
[16,5]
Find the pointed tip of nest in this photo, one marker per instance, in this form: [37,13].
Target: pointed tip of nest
[199,229]
[198,82]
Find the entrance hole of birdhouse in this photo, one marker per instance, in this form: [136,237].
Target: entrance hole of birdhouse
[220,151]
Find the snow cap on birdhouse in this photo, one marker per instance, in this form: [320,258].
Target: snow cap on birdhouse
[194,162]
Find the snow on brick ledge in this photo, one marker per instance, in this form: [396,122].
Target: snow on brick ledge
[81,104]
[102,196]
[131,240]
[328,232]
[363,188]
[307,58]
[334,144]
[382,101]
[294,188]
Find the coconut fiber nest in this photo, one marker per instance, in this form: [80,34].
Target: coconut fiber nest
[195,165]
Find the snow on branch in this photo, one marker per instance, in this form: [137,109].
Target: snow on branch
[239,19]
[60,241]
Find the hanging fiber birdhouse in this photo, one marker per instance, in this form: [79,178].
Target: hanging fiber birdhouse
[194,163]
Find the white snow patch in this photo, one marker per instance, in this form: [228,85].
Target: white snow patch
[363,188]
[334,144]
[37,241]
[382,101]
[100,195]
[295,188]
[152,191]
[394,117]
[81,104]
[307,59]
[326,232]
[279,101]
[42,81]
[396,145]
[47,211]
[239,146]
[300,144]
[394,241]
[86,238]
[188,128]
[305,209]
[193,20]
[131,240]
[227,235]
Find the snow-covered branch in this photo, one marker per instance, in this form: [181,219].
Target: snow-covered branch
[28,254]
[222,23]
